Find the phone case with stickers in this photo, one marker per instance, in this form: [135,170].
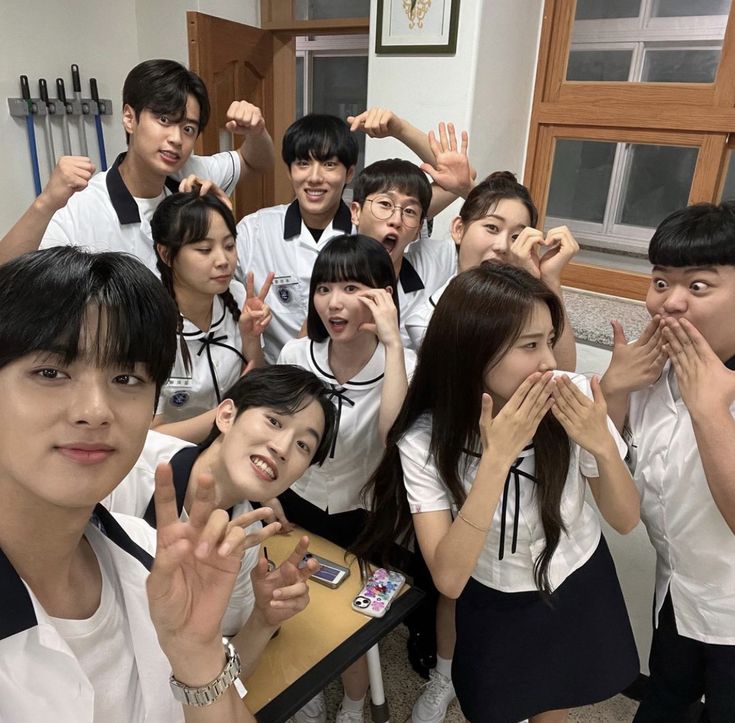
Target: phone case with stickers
[379,592]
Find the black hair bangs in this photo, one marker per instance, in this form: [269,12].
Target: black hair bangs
[286,389]
[393,174]
[349,257]
[321,137]
[699,235]
[163,87]
[106,307]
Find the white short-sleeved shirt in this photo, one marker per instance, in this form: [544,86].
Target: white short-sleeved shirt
[695,548]
[134,494]
[106,217]
[420,316]
[428,266]
[215,364]
[514,573]
[40,678]
[336,485]
[276,239]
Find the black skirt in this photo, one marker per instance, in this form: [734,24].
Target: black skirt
[518,655]
[342,528]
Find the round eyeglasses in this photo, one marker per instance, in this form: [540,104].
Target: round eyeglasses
[383,208]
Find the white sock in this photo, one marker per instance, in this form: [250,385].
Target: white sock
[444,666]
[349,704]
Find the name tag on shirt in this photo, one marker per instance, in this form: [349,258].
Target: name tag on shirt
[285,281]
[179,382]
[283,288]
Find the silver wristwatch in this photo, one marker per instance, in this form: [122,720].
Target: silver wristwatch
[209,693]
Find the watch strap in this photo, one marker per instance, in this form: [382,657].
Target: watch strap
[207,694]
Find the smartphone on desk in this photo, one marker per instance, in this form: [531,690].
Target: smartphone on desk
[329,573]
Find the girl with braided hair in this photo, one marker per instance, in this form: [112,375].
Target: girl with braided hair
[220,322]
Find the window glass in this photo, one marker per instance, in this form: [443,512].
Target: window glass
[580,180]
[728,190]
[599,9]
[299,86]
[599,65]
[658,183]
[339,87]
[682,8]
[681,66]
[329,9]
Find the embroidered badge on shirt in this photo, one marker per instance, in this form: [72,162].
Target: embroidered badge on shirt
[179,399]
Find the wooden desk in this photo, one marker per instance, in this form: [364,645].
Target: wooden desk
[320,642]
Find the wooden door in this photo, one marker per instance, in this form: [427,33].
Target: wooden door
[237,61]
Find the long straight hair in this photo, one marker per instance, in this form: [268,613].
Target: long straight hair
[478,318]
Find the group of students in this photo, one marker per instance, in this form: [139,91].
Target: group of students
[338,368]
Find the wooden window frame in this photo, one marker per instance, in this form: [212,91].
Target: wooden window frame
[689,114]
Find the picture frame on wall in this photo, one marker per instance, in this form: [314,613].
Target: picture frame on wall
[417,26]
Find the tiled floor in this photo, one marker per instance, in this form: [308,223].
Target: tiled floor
[403,686]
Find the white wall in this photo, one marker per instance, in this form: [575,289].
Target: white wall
[106,38]
[485,88]
[634,557]
[42,39]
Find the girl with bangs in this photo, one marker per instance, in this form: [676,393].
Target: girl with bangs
[220,322]
[488,463]
[354,346]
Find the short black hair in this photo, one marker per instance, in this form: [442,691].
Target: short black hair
[699,235]
[286,389]
[349,257]
[163,87]
[319,136]
[44,300]
[393,174]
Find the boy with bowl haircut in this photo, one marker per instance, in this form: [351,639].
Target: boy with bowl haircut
[165,108]
[678,386]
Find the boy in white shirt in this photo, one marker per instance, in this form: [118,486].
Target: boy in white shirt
[86,342]
[677,385]
[165,108]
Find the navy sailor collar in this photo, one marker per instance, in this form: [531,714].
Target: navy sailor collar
[122,200]
[16,609]
[409,278]
[342,220]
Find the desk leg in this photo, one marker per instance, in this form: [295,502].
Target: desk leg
[378,704]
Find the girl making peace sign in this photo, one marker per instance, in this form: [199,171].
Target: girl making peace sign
[220,323]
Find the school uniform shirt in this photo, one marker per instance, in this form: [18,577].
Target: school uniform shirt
[106,217]
[419,317]
[695,549]
[511,548]
[336,485]
[277,239]
[133,496]
[428,265]
[215,363]
[41,679]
